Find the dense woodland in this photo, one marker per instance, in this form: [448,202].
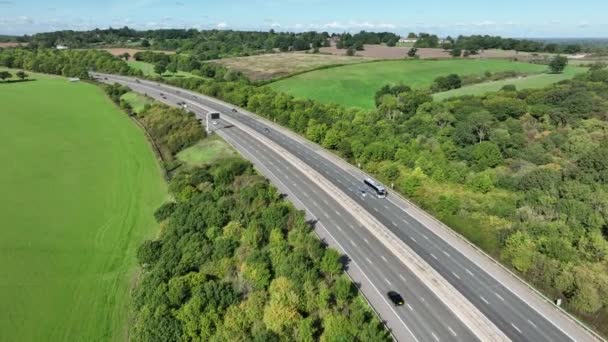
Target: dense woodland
[236,262]
[213,44]
[205,44]
[523,174]
[70,63]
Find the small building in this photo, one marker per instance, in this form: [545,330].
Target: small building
[61,47]
[74,79]
[407,40]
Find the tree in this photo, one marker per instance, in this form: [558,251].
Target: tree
[412,52]
[300,45]
[456,52]
[331,264]
[281,312]
[452,81]
[519,251]
[350,51]
[572,49]
[336,328]
[160,68]
[149,252]
[145,43]
[4,75]
[558,64]
[125,56]
[486,154]
[22,75]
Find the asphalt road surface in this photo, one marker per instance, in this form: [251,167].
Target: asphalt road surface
[424,317]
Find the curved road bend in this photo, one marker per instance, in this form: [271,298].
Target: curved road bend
[518,320]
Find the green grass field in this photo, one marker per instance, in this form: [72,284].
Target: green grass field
[206,151]
[79,186]
[137,101]
[355,85]
[148,70]
[532,81]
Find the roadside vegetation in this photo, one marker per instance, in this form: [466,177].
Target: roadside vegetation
[519,173]
[208,151]
[79,189]
[236,262]
[171,129]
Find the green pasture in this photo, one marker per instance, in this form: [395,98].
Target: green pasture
[79,186]
[355,85]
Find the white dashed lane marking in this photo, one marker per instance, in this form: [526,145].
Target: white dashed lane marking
[515,327]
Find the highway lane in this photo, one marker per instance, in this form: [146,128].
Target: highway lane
[423,317]
[427,317]
[511,314]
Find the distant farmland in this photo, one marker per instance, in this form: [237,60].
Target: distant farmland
[269,66]
[148,70]
[532,81]
[79,186]
[355,85]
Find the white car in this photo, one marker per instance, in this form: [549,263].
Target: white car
[214,122]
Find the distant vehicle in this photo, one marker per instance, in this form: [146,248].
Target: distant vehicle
[395,298]
[234,110]
[266,130]
[214,122]
[137,81]
[161,94]
[363,192]
[377,187]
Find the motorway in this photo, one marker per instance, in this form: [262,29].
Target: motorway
[424,317]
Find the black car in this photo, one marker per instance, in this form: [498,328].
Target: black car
[395,298]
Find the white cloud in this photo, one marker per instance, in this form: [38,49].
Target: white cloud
[484,23]
[222,25]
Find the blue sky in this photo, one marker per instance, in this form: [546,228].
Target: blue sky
[514,18]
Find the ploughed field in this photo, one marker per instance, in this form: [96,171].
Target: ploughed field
[355,85]
[79,187]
